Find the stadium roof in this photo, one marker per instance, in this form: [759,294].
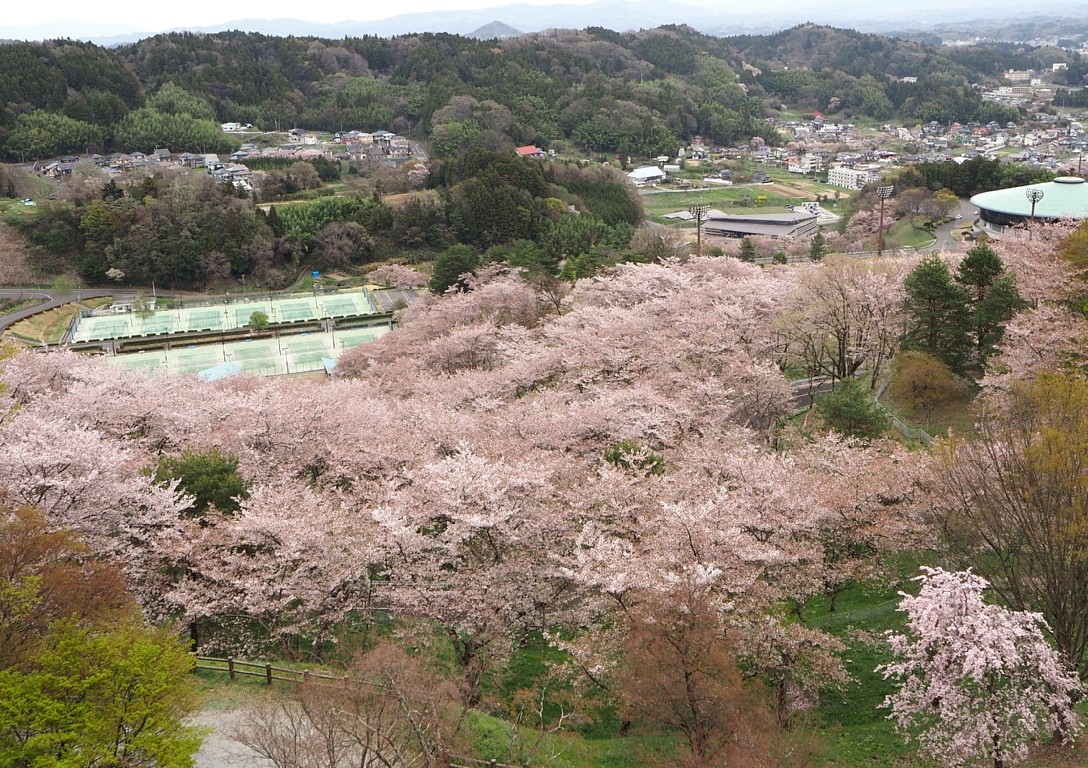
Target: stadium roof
[1065,196]
[790,225]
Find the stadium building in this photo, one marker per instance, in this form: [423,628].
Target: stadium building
[1065,197]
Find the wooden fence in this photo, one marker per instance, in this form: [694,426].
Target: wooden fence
[271,673]
[267,671]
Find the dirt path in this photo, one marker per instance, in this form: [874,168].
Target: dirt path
[218,749]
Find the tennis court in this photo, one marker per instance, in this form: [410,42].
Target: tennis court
[229,316]
[297,353]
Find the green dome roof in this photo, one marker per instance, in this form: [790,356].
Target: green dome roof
[1065,196]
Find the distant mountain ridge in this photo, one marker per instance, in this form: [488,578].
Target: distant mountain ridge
[496,30]
[721,19]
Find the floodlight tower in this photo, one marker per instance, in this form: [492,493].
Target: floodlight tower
[699,212]
[883,193]
[1034,195]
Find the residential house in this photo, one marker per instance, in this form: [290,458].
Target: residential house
[399,149]
[646,175]
[810,163]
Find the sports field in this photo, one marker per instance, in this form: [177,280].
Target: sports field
[265,357]
[229,316]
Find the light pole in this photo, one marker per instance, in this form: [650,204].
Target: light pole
[883,193]
[286,359]
[1034,195]
[243,287]
[699,212]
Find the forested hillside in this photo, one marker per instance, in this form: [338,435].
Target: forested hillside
[638,93]
[190,232]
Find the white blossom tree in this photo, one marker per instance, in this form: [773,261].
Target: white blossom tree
[980,683]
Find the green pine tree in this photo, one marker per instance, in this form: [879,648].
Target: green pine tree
[997,307]
[849,410]
[978,270]
[818,247]
[747,250]
[938,312]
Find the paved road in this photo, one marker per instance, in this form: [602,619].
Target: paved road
[804,392]
[49,300]
[945,241]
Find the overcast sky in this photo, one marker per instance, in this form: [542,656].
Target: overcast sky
[166,14]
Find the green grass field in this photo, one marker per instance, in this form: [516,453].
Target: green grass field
[657,204]
[903,234]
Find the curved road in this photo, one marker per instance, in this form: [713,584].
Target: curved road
[945,241]
[50,299]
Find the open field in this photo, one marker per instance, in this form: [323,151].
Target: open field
[657,204]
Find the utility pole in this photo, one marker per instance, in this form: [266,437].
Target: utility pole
[883,193]
[699,212]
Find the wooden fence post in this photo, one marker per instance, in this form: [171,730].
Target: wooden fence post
[230,667]
[268,673]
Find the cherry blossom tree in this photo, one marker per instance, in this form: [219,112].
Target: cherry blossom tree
[455,473]
[397,276]
[846,314]
[979,683]
[1048,337]
[292,561]
[470,547]
[1033,254]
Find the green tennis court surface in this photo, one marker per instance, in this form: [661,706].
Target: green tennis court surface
[228,316]
[267,357]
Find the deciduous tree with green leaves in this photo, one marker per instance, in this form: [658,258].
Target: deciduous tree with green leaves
[258,321]
[111,695]
[1013,503]
[923,383]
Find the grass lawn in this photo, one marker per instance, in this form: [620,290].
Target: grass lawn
[856,731]
[903,234]
[657,204]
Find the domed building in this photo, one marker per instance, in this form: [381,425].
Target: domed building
[1066,196]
